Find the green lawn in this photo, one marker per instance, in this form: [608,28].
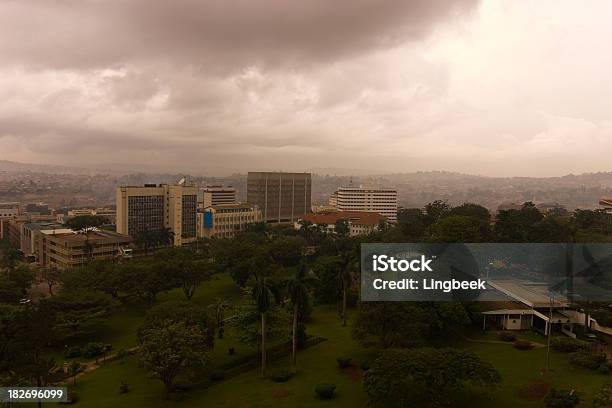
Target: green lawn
[520,369]
[316,365]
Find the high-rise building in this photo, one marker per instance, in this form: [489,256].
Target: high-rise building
[217,195]
[379,200]
[155,207]
[282,197]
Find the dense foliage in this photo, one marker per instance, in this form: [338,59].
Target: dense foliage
[425,376]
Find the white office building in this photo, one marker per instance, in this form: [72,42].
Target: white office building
[379,200]
[217,195]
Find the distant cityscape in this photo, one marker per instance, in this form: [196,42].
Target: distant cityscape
[189,209]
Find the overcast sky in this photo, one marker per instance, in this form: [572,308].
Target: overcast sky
[214,86]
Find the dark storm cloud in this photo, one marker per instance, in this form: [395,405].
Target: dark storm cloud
[219,34]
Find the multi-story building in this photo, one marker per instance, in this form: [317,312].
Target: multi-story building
[379,200]
[359,222]
[217,195]
[282,197]
[225,220]
[108,213]
[70,249]
[155,207]
[16,231]
[31,235]
[7,211]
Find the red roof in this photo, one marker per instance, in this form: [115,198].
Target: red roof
[353,217]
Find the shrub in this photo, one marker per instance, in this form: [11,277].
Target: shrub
[71,398]
[281,376]
[587,359]
[122,354]
[568,344]
[603,369]
[93,349]
[325,391]
[507,336]
[344,362]
[603,397]
[365,365]
[231,351]
[124,388]
[217,375]
[523,345]
[561,399]
[72,352]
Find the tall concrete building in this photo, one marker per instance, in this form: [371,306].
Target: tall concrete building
[282,197]
[217,195]
[154,207]
[379,200]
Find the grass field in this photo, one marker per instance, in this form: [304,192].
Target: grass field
[522,371]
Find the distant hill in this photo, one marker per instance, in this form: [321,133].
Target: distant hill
[414,189]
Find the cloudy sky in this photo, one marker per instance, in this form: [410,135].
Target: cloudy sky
[492,87]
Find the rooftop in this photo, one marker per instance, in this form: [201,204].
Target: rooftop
[91,236]
[532,294]
[354,217]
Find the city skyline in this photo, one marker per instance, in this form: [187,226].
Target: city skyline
[488,87]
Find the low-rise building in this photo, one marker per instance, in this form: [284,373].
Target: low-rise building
[359,222]
[71,249]
[225,220]
[108,213]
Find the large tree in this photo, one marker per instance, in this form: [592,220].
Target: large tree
[86,222]
[175,339]
[406,324]
[77,311]
[425,376]
[459,228]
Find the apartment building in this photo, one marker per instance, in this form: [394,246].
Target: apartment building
[282,197]
[371,199]
[217,195]
[69,249]
[154,207]
[225,220]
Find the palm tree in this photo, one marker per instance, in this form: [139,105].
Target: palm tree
[88,248]
[263,301]
[218,308]
[345,278]
[165,237]
[145,239]
[298,291]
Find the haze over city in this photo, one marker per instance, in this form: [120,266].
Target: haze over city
[498,88]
